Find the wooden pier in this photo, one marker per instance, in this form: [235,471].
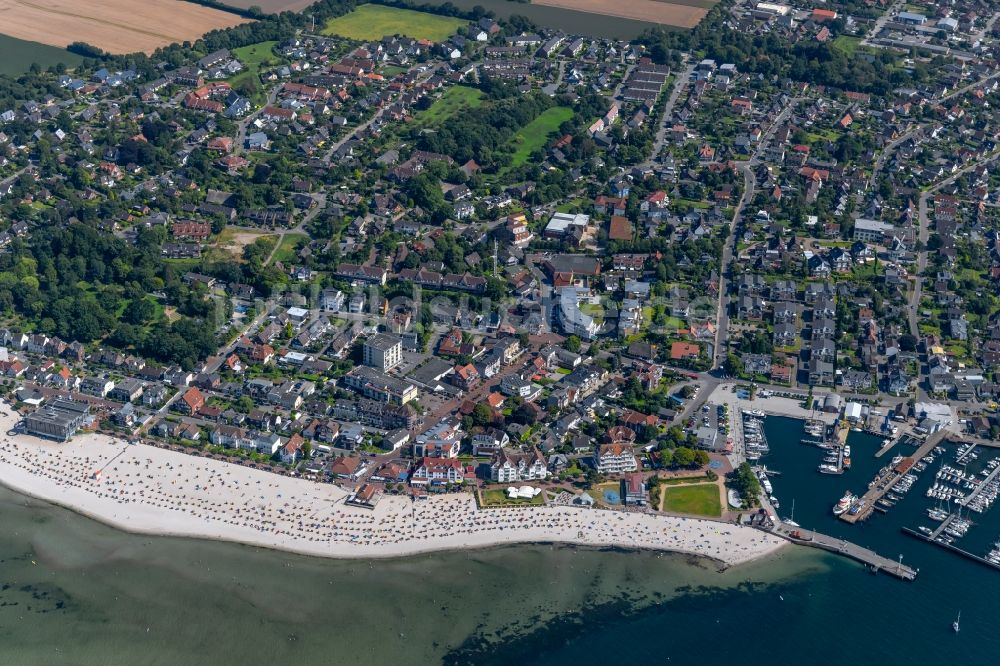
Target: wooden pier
[885,482]
[842,547]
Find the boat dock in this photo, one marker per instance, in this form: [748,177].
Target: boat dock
[961,459]
[884,482]
[942,527]
[885,449]
[980,487]
[841,547]
[948,546]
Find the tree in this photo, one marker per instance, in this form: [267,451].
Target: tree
[524,414]
[481,414]
[572,344]
[701,458]
[732,364]
[745,482]
[684,457]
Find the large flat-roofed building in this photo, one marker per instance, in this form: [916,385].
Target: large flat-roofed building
[383,351]
[571,318]
[563,224]
[911,18]
[377,385]
[873,231]
[57,420]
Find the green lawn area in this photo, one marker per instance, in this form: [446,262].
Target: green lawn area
[391,71]
[846,44]
[286,251]
[453,101]
[254,58]
[575,203]
[700,500]
[693,204]
[498,497]
[535,134]
[369,22]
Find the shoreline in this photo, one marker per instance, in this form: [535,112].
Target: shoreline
[157,492]
[719,564]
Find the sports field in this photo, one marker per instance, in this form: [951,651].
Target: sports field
[650,11]
[116,26]
[19,54]
[535,134]
[369,22]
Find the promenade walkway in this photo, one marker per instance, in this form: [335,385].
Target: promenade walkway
[846,548]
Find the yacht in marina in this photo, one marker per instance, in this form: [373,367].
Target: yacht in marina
[844,503]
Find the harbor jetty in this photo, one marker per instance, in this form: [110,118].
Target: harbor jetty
[868,557]
[886,447]
[884,482]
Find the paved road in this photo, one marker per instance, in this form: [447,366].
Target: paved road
[241,134]
[750,184]
[970,87]
[923,233]
[666,119]
[888,151]
[354,133]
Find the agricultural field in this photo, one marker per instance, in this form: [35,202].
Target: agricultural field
[116,26]
[369,22]
[536,134]
[453,101]
[18,55]
[700,500]
[681,14]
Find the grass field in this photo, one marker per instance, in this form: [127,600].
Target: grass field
[369,22]
[454,100]
[286,250]
[699,500]
[846,44]
[535,134]
[18,55]
[254,58]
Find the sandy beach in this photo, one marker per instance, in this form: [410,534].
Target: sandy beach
[149,490]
